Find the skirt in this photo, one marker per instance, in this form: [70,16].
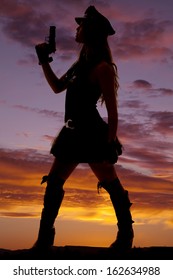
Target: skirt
[83,144]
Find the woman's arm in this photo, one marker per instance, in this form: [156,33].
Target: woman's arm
[106,79]
[57,85]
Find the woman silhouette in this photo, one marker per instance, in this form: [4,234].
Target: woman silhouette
[86,137]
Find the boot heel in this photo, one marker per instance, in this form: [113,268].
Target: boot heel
[121,204]
[45,239]
[124,241]
[52,201]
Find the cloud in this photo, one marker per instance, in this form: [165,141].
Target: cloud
[142,84]
[16,215]
[21,171]
[147,87]
[21,195]
[153,158]
[163,122]
[21,22]
[28,160]
[141,38]
[20,177]
[146,200]
[147,140]
[44,112]
[27,23]
[48,138]
[30,59]
[146,136]
[166,91]
[20,190]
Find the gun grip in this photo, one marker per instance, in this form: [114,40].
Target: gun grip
[50,59]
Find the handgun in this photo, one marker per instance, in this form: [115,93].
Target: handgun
[51,41]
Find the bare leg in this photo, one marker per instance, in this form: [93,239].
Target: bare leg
[104,171]
[62,169]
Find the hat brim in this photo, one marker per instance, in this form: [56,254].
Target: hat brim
[79,20]
[110,30]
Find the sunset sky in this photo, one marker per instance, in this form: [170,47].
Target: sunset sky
[31,116]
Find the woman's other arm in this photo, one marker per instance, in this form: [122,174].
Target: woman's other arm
[106,79]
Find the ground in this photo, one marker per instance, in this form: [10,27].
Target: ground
[88,253]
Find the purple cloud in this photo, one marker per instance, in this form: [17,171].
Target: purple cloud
[142,84]
[166,91]
[141,38]
[28,23]
[163,122]
[45,112]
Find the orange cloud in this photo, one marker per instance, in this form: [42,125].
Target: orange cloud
[21,190]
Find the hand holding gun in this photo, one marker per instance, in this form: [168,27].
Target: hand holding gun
[45,49]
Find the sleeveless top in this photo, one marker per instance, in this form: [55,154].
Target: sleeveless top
[88,141]
[81,98]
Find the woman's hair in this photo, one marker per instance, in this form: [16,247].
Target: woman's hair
[95,50]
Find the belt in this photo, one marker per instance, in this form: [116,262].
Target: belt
[69,124]
[81,124]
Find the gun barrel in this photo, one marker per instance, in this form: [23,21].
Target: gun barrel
[52,42]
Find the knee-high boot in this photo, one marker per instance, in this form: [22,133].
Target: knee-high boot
[121,203]
[52,201]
